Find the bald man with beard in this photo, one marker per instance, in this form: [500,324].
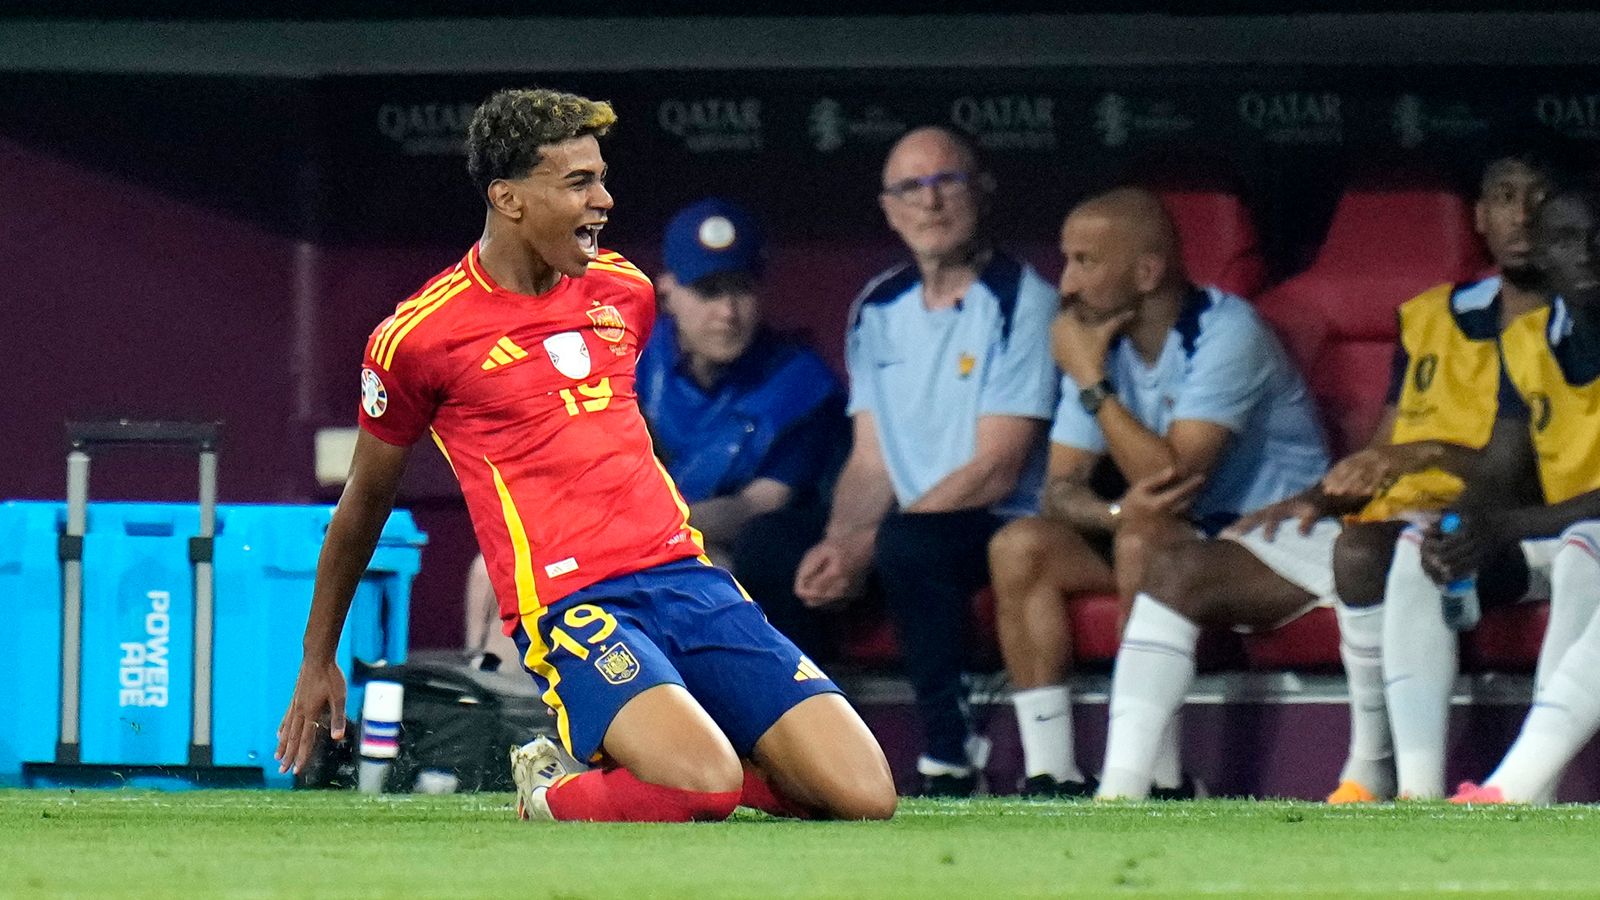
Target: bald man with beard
[1193,401]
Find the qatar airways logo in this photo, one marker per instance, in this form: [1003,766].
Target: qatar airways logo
[1294,117]
[713,124]
[426,129]
[1574,115]
[1007,121]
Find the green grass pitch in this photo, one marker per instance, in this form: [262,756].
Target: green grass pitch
[343,845]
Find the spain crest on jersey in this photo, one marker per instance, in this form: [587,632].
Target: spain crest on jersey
[608,323]
[618,664]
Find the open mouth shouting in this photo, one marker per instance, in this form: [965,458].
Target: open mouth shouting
[589,238]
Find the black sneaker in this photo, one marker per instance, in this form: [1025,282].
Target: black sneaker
[1046,787]
[1188,789]
[949,786]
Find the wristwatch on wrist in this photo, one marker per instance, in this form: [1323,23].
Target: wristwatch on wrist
[1091,397]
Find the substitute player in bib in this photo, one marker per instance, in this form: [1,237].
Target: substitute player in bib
[519,362]
[1443,401]
[1553,357]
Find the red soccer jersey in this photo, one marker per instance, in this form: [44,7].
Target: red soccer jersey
[532,400]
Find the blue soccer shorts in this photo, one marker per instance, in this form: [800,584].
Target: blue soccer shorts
[685,623]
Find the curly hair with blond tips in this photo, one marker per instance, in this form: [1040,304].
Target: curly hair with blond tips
[508,129]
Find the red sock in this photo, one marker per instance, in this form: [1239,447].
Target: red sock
[617,795]
[758,794]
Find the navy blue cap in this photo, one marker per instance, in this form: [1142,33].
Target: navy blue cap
[711,237]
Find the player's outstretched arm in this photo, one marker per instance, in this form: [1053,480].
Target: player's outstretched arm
[352,535]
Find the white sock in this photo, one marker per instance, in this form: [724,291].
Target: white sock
[1154,669]
[1563,719]
[1573,601]
[1167,771]
[1370,762]
[1419,667]
[1044,718]
[1566,707]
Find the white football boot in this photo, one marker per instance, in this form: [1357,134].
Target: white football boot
[535,767]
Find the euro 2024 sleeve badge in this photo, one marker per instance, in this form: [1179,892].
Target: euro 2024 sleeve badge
[374,398]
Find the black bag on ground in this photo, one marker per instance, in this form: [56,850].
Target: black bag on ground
[459,721]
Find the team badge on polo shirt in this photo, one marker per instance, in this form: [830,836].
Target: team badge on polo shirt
[568,353]
[374,398]
[965,364]
[608,323]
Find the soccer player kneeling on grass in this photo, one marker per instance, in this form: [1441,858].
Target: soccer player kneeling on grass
[519,361]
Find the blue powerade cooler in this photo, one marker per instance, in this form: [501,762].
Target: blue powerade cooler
[156,644]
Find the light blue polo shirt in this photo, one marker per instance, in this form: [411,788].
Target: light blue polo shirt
[926,376]
[1220,364]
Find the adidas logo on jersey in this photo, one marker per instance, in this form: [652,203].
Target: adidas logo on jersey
[504,353]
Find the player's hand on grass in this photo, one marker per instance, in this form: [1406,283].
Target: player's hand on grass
[832,571]
[1165,493]
[1367,472]
[319,693]
[1304,509]
[1448,557]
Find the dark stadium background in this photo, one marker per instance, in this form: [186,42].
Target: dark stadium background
[203,211]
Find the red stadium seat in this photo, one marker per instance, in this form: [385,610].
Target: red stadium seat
[871,644]
[1096,636]
[1095,629]
[1309,642]
[1508,638]
[1384,245]
[1218,239]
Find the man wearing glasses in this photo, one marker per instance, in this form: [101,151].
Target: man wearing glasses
[951,390]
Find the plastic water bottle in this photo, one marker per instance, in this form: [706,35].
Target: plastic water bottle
[380,734]
[1461,611]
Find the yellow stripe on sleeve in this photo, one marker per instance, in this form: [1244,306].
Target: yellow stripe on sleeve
[388,357]
[409,310]
[406,309]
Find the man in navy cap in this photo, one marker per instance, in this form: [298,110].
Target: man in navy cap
[747,423]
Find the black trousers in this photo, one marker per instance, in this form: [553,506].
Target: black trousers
[765,556]
[928,566]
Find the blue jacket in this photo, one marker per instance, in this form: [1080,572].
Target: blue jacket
[777,413]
